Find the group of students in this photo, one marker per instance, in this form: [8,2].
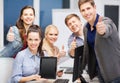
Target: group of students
[101,53]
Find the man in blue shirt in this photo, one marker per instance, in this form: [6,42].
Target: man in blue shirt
[76,39]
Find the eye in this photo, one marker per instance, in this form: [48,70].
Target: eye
[56,34]
[50,34]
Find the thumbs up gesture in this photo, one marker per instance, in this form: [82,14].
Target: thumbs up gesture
[100,27]
[10,35]
[62,52]
[73,43]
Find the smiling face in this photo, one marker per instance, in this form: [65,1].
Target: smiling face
[51,35]
[88,12]
[74,24]
[28,16]
[33,41]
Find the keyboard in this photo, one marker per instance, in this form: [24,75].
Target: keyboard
[69,70]
[61,81]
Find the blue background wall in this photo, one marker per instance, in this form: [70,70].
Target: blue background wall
[11,13]
[46,7]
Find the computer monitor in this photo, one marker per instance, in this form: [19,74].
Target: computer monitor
[48,67]
[77,62]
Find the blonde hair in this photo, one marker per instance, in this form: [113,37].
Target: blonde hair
[46,46]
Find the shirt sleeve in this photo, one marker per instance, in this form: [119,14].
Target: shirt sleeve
[17,68]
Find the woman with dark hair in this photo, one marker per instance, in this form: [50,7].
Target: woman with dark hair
[17,34]
[27,61]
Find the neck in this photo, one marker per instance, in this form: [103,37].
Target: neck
[80,33]
[26,27]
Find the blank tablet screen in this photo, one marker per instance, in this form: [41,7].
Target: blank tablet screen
[48,67]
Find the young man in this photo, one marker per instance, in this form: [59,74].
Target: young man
[76,39]
[101,44]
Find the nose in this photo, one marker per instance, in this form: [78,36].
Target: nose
[33,42]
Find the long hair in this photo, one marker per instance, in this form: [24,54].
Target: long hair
[46,46]
[19,22]
[37,29]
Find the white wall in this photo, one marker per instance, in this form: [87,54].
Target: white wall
[1,23]
[36,4]
[58,16]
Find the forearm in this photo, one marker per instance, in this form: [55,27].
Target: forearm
[26,79]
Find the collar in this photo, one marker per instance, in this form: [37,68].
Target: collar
[96,20]
[29,53]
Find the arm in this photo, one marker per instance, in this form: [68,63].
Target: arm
[30,78]
[22,68]
[13,34]
[72,47]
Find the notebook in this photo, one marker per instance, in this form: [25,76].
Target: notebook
[48,67]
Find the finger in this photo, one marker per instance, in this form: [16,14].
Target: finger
[100,19]
[11,31]
[63,47]
[74,39]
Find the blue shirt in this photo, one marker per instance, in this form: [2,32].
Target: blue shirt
[91,34]
[25,64]
[79,40]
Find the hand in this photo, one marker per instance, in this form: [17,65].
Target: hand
[73,44]
[62,52]
[100,27]
[10,35]
[59,73]
[36,77]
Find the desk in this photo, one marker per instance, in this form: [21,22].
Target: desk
[67,62]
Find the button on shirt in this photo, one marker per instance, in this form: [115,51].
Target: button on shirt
[25,64]
[91,34]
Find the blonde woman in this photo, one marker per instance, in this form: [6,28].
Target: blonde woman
[50,50]
[51,36]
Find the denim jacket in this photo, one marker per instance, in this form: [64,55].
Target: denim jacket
[12,48]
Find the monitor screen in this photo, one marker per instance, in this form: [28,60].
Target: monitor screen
[77,62]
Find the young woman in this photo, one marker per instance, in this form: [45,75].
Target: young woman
[50,50]
[51,36]
[17,34]
[27,61]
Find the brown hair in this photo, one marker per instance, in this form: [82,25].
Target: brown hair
[80,2]
[37,29]
[19,22]
[68,17]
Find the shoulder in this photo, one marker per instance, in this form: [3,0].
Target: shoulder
[21,54]
[107,20]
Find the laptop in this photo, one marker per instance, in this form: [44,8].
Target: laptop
[48,67]
[77,62]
